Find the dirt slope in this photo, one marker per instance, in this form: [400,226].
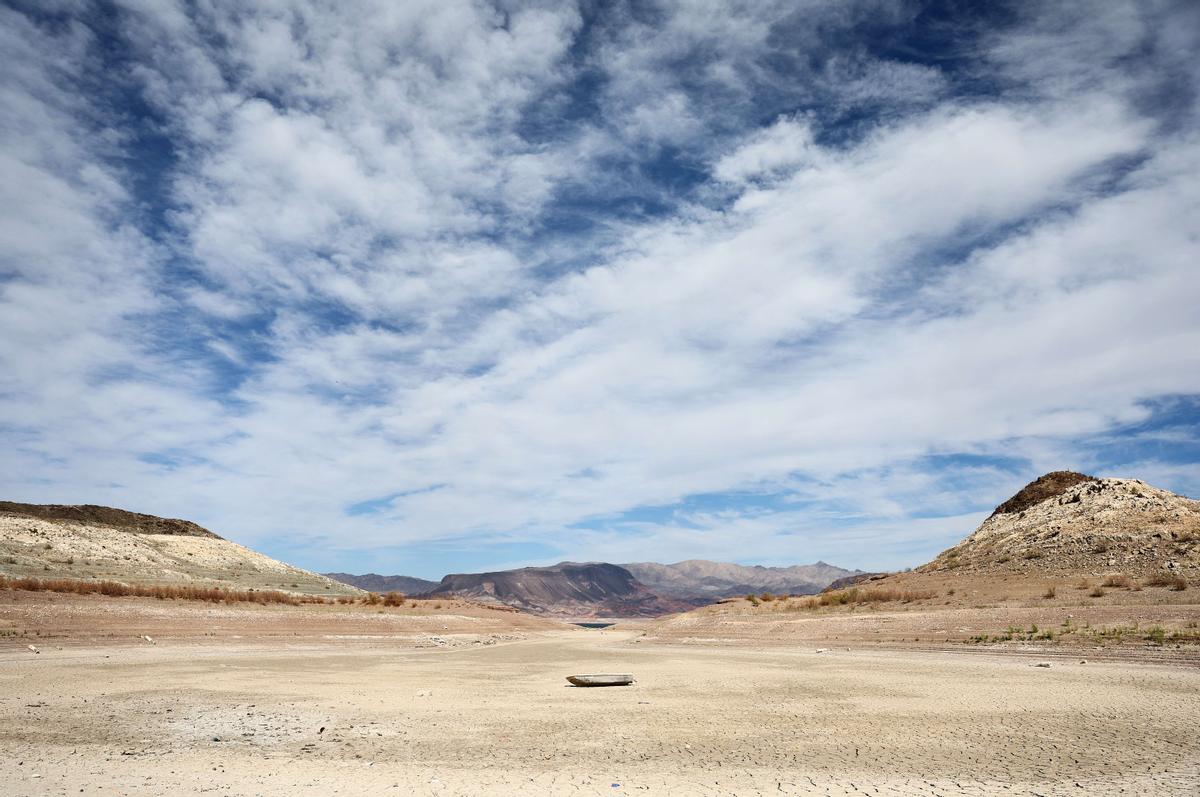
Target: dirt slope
[89,542]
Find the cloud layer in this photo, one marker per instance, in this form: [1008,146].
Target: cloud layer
[439,286]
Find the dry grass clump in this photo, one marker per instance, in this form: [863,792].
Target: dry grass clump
[1096,593]
[117,589]
[1119,580]
[1176,582]
[855,595]
[1050,592]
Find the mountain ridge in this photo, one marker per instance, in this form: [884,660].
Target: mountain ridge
[373,582]
[702,578]
[568,589]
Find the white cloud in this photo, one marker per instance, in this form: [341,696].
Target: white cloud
[370,313]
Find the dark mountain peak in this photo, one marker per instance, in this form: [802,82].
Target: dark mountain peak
[1051,485]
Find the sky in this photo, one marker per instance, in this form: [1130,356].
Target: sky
[448,286]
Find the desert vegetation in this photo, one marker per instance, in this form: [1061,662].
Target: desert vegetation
[1099,635]
[853,596]
[162,592]
[1176,582]
[117,589]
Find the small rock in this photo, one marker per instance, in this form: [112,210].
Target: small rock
[35,650]
[1083,661]
[822,650]
[1042,664]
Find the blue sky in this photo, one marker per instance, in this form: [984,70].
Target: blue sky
[431,287]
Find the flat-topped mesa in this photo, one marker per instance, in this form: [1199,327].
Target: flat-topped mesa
[1070,523]
[90,514]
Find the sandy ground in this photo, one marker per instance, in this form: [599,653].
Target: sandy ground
[244,715]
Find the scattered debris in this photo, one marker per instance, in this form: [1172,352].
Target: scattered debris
[148,639]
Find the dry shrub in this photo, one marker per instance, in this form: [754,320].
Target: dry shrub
[856,595]
[393,599]
[1049,593]
[1096,593]
[1118,580]
[116,589]
[1176,582]
[767,597]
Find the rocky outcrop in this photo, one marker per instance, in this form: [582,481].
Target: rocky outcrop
[1091,526]
[1041,489]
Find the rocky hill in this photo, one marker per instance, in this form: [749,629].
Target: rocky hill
[96,542]
[700,579]
[568,589]
[1067,522]
[373,582]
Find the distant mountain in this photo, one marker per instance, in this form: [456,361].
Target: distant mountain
[87,542]
[700,579]
[568,589]
[373,582]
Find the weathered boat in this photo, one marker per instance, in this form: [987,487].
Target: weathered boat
[600,680]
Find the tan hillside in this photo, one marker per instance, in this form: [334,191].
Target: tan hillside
[1070,564]
[1083,525]
[89,542]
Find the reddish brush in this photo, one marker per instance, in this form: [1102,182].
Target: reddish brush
[117,589]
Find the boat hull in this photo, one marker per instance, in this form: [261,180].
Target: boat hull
[600,680]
